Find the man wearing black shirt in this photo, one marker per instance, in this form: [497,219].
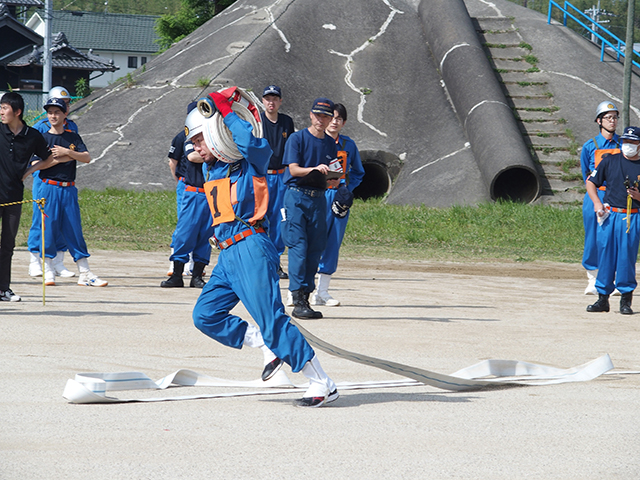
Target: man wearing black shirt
[18,143]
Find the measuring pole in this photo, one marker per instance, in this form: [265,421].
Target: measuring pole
[628,62]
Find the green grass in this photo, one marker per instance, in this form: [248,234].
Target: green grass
[124,220]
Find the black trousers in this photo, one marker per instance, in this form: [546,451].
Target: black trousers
[10,217]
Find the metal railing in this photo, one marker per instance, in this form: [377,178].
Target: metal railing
[608,39]
[33,102]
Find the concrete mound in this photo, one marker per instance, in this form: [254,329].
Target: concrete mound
[425,106]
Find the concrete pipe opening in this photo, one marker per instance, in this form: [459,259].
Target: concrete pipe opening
[376,181]
[516,184]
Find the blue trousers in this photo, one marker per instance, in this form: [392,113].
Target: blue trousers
[193,230]
[34,241]
[335,234]
[590,222]
[617,254]
[179,194]
[305,235]
[247,272]
[62,220]
[276,201]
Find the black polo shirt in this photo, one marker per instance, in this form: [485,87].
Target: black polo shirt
[15,153]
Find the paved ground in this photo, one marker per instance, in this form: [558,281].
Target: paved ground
[436,316]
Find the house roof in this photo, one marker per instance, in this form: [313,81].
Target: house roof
[17,38]
[26,3]
[107,31]
[66,56]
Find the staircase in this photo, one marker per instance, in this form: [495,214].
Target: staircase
[546,132]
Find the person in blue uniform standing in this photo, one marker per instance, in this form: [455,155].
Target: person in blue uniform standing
[192,233]
[34,241]
[62,211]
[307,154]
[277,128]
[178,161]
[337,217]
[618,233]
[247,264]
[593,151]
[18,142]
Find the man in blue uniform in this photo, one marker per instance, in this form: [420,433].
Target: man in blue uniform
[277,128]
[618,232]
[194,229]
[337,218]
[34,241]
[178,161]
[62,211]
[593,151]
[18,143]
[246,270]
[308,154]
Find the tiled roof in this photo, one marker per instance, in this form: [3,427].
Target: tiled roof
[66,56]
[27,3]
[107,31]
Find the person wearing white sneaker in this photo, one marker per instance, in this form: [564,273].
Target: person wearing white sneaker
[62,211]
[604,144]
[8,296]
[339,200]
[35,265]
[58,266]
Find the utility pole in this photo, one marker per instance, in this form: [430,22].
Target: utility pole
[47,59]
[628,62]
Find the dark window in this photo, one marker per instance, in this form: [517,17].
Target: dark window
[143,60]
[133,62]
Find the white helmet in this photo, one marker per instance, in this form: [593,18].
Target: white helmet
[605,107]
[59,92]
[193,124]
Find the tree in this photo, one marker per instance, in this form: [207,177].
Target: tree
[172,28]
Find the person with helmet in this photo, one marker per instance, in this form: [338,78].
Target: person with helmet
[593,151]
[337,199]
[277,128]
[193,230]
[61,209]
[34,241]
[618,230]
[247,265]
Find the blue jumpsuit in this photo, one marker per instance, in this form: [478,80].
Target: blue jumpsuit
[617,249]
[178,152]
[34,240]
[354,173]
[194,219]
[277,135]
[62,211]
[305,228]
[598,146]
[246,270]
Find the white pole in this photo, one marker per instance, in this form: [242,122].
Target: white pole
[47,60]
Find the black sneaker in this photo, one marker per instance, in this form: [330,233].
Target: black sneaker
[271,368]
[9,296]
[281,273]
[310,402]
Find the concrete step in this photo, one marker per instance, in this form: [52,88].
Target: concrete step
[512,77]
[484,24]
[517,65]
[516,90]
[506,51]
[550,141]
[551,128]
[552,116]
[511,38]
[532,102]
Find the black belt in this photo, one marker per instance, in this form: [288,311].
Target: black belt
[312,192]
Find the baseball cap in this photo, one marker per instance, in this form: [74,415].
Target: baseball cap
[191,106]
[631,133]
[56,102]
[322,105]
[272,90]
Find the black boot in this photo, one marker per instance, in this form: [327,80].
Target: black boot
[602,305]
[281,273]
[196,275]
[625,303]
[301,308]
[175,280]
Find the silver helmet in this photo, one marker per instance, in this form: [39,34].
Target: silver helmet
[193,124]
[605,107]
[59,92]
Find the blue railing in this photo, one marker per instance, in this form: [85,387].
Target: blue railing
[608,39]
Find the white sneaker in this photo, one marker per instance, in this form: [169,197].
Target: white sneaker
[324,299]
[49,275]
[35,269]
[61,271]
[289,301]
[591,285]
[90,280]
[9,296]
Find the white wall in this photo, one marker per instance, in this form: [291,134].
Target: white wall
[120,59]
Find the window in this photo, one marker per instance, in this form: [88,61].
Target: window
[143,60]
[133,62]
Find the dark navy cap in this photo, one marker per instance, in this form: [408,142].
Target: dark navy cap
[56,102]
[631,133]
[323,106]
[272,90]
